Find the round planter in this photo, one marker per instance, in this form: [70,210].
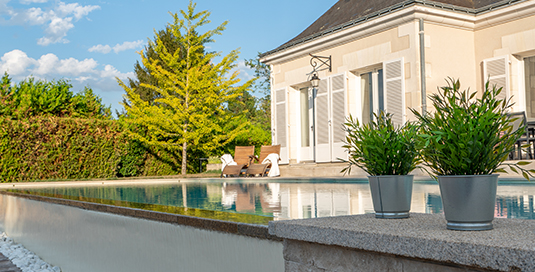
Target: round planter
[391,195]
[468,201]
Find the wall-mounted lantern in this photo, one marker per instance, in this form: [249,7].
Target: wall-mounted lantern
[315,81]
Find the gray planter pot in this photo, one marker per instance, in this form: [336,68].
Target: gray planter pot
[468,201]
[391,195]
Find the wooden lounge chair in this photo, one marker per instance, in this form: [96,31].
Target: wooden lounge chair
[243,156]
[259,168]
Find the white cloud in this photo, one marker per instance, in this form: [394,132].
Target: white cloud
[87,72]
[19,65]
[56,31]
[105,49]
[127,45]
[75,67]
[15,62]
[5,10]
[35,16]
[58,19]
[110,71]
[75,9]
[46,64]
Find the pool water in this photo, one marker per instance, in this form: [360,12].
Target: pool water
[259,203]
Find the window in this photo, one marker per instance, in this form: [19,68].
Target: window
[372,94]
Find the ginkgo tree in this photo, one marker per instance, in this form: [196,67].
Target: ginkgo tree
[193,91]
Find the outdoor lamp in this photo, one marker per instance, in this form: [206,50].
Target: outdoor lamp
[315,81]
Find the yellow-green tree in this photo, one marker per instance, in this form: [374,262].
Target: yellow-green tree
[190,111]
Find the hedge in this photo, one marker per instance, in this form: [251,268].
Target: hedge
[53,148]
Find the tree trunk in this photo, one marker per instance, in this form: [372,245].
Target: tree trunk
[186,106]
[184,158]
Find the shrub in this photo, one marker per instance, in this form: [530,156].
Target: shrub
[468,136]
[379,148]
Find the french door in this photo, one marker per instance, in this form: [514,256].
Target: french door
[306,110]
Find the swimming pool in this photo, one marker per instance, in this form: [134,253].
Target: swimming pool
[260,202]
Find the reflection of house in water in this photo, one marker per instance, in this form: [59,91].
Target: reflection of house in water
[310,200]
[320,200]
[426,198]
[515,202]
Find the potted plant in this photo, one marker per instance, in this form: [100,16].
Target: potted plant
[465,141]
[388,154]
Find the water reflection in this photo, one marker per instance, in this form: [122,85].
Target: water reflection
[291,200]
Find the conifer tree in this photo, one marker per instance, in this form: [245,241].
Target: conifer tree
[143,74]
[192,91]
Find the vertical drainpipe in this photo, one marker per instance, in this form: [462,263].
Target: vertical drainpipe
[422,67]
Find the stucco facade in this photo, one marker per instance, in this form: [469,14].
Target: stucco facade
[377,63]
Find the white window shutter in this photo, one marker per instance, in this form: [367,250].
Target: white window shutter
[338,116]
[322,126]
[322,103]
[394,90]
[280,134]
[496,71]
[338,107]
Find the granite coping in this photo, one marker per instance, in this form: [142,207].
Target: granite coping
[508,247]
[251,230]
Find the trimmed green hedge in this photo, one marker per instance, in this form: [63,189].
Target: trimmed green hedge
[52,148]
[59,148]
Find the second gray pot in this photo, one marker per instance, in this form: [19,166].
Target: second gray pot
[468,201]
[391,195]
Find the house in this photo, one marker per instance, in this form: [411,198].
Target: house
[390,55]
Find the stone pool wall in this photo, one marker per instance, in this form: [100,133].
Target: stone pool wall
[419,243]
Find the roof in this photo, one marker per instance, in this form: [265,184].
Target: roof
[350,12]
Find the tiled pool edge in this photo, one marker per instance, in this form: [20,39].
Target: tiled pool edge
[420,239]
[255,231]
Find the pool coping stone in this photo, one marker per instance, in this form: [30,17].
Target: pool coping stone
[509,246]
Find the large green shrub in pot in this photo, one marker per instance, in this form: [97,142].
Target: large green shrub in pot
[381,148]
[468,135]
[388,154]
[465,140]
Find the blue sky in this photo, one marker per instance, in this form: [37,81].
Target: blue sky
[92,42]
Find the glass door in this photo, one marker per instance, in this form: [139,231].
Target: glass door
[307,127]
[372,94]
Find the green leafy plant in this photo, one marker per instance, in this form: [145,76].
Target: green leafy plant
[379,148]
[467,135]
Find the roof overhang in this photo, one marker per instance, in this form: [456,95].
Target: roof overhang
[462,18]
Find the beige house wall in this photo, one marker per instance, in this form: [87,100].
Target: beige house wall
[449,52]
[515,39]
[456,45]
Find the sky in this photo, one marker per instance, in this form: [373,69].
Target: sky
[90,43]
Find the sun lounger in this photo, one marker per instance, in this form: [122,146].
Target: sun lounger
[269,155]
[243,156]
